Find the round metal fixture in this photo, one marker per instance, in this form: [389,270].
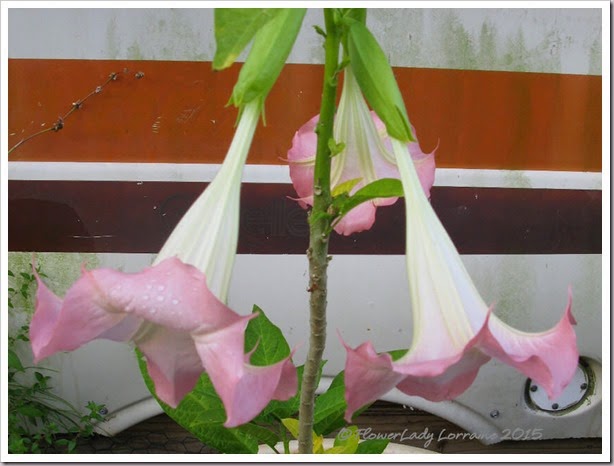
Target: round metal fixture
[573,395]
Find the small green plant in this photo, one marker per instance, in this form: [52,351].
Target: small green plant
[39,421]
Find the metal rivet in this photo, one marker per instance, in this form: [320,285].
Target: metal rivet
[494,413]
[555,406]
[533,388]
[584,386]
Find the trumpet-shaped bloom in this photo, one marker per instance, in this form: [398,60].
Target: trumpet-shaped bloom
[175,311]
[454,330]
[367,156]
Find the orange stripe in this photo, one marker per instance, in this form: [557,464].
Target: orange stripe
[176,113]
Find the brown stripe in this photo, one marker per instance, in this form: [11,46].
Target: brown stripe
[81,216]
[176,113]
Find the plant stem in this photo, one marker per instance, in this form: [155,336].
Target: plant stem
[319,231]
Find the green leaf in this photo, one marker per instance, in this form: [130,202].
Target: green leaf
[384,187]
[271,346]
[345,187]
[30,411]
[292,425]
[330,407]
[202,412]
[276,409]
[11,274]
[376,80]
[261,434]
[334,147]
[397,354]
[234,29]
[348,441]
[372,446]
[358,14]
[14,361]
[271,47]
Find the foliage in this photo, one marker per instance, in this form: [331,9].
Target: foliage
[202,413]
[38,419]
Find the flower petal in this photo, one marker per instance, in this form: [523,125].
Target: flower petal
[172,362]
[368,376]
[66,325]
[548,358]
[454,331]
[367,156]
[46,314]
[244,389]
[176,321]
[301,158]
[360,218]
[452,380]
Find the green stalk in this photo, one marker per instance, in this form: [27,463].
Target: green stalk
[318,236]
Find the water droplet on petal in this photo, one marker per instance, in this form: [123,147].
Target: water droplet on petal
[161,288]
[175,301]
[145,297]
[159,298]
[148,287]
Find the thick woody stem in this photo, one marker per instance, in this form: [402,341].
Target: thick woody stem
[318,240]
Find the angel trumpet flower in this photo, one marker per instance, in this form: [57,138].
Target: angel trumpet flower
[454,330]
[175,311]
[366,157]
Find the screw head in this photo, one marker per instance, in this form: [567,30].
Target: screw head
[555,406]
[103,411]
[494,413]
[584,386]
[533,388]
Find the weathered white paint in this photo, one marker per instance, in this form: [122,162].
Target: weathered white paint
[193,172]
[368,291]
[552,40]
[371,293]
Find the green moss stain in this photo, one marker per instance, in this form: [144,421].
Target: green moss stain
[112,40]
[62,270]
[457,45]
[516,179]
[463,39]
[548,53]
[134,52]
[509,286]
[587,303]
[595,59]
[516,55]
[401,36]
[517,286]
[487,47]
[187,41]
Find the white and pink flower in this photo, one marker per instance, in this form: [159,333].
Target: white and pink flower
[175,311]
[454,331]
[366,157]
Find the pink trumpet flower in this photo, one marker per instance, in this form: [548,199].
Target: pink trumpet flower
[366,157]
[454,332]
[175,311]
